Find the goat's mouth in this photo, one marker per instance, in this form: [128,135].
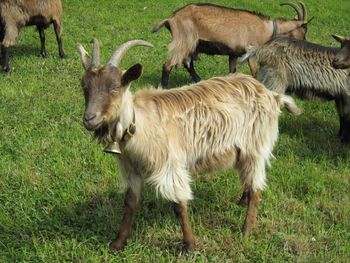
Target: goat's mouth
[93,125]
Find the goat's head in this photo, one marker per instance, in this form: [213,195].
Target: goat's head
[301,30]
[342,59]
[105,86]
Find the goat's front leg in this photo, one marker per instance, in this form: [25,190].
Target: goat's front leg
[181,213]
[232,62]
[190,68]
[253,204]
[252,65]
[131,200]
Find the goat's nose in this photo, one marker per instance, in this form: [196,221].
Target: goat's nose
[89,116]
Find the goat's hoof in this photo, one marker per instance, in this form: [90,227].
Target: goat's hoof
[6,69]
[117,245]
[43,54]
[188,246]
[244,200]
[62,55]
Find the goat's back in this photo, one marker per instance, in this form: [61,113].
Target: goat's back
[208,122]
[22,11]
[287,63]
[218,24]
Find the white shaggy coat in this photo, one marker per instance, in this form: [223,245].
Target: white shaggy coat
[224,122]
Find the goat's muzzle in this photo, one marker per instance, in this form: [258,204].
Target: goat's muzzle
[92,120]
[338,65]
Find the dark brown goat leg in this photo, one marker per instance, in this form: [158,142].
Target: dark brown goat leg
[253,204]
[57,28]
[232,62]
[167,67]
[182,215]
[130,202]
[192,71]
[42,41]
[5,58]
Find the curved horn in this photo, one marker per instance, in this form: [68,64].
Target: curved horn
[340,39]
[96,52]
[296,8]
[121,50]
[303,8]
[84,56]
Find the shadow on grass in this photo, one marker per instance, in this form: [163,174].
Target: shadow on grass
[25,50]
[98,218]
[314,138]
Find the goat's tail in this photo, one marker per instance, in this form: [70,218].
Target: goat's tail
[250,52]
[290,104]
[159,25]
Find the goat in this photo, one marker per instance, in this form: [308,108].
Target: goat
[290,65]
[19,13]
[218,30]
[342,59]
[163,135]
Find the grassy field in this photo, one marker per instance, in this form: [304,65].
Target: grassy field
[59,198]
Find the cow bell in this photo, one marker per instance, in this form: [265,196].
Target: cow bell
[113,148]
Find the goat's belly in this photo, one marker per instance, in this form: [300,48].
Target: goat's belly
[216,48]
[213,162]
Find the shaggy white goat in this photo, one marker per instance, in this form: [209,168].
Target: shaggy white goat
[164,135]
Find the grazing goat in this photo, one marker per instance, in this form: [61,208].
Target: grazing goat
[290,65]
[218,30]
[164,135]
[342,59]
[15,14]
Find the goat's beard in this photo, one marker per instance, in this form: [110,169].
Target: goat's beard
[106,133]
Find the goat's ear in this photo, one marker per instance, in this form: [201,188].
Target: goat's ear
[131,74]
[338,38]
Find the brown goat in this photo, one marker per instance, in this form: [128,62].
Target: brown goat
[19,13]
[164,135]
[218,30]
[342,58]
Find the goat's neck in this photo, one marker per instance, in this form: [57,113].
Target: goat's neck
[127,110]
[285,26]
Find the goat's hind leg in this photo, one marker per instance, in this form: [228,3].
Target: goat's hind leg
[57,28]
[253,204]
[343,109]
[232,63]
[252,176]
[181,213]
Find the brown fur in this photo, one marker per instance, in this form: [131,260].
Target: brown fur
[15,14]
[213,29]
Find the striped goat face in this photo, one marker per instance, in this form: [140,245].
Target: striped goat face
[342,59]
[105,86]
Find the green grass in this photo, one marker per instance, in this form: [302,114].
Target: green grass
[59,198]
